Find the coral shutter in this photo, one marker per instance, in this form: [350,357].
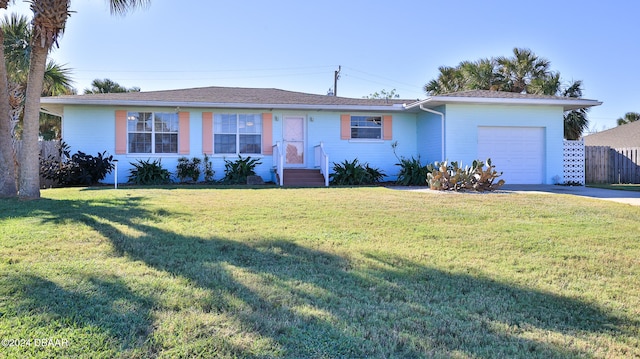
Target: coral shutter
[183,133]
[207,133]
[345,127]
[386,127]
[121,132]
[267,133]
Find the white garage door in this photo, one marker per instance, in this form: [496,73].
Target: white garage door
[516,151]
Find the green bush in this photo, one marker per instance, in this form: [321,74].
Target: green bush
[412,172]
[208,169]
[375,174]
[80,169]
[149,173]
[236,172]
[188,169]
[454,177]
[355,173]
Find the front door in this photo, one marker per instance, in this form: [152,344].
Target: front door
[294,141]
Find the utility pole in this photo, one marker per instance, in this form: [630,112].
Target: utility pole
[335,81]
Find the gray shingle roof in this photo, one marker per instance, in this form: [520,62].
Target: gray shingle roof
[618,137]
[504,98]
[234,95]
[271,98]
[504,94]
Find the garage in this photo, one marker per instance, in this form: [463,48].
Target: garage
[516,151]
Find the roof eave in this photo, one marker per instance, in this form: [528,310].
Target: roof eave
[567,105]
[56,102]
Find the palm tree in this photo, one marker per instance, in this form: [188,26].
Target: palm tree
[57,79]
[17,45]
[575,121]
[108,86]
[483,74]
[524,72]
[450,79]
[628,118]
[49,21]
[549,84]
[522,68]
[8,184]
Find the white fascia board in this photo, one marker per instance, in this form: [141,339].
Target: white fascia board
[391,108]
[50,112]
[566,104]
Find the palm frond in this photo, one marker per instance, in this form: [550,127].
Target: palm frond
[57,80]
[121,7]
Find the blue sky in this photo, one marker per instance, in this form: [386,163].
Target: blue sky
[297,45]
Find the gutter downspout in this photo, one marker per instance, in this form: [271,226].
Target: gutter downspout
[444,156]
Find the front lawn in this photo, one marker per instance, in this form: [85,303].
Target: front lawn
[317,273]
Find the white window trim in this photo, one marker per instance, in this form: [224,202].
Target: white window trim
[153,137]
[237,134]
[357,139]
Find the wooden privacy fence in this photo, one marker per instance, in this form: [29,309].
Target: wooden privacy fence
[604,164]
[47,148]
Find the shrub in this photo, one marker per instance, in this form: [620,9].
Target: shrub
[236,172]
[454,177]
[80,169]
[354,173]
[149,173]
[208,169]
[374,173]
[188,168]
[412,172]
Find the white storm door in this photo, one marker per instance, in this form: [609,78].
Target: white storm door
[293,140]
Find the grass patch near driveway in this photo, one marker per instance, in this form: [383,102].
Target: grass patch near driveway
[318,273]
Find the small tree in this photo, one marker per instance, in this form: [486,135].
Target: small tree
[383,94]
[188,169]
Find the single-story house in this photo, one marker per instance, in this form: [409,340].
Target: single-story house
[627,135]
[521,133]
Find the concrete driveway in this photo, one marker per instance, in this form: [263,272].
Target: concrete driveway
[629,197]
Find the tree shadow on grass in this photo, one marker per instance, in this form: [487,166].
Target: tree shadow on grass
[309,303]
[109,318]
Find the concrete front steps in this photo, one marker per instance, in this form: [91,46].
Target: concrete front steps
[303,178]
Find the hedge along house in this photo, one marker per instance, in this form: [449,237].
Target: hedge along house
[521,133]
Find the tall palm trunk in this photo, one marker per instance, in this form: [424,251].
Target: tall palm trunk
[8,186]
[49,20]
[30,154]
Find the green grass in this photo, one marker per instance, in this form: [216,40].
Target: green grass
[620,187]
[318,273]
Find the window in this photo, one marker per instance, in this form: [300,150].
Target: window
[368,127]
[152,132]
[237,133]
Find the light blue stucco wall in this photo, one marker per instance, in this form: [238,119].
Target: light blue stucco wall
[429,136]
[462,121]
[324,126]
[91,129]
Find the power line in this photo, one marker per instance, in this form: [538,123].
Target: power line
[205,71]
